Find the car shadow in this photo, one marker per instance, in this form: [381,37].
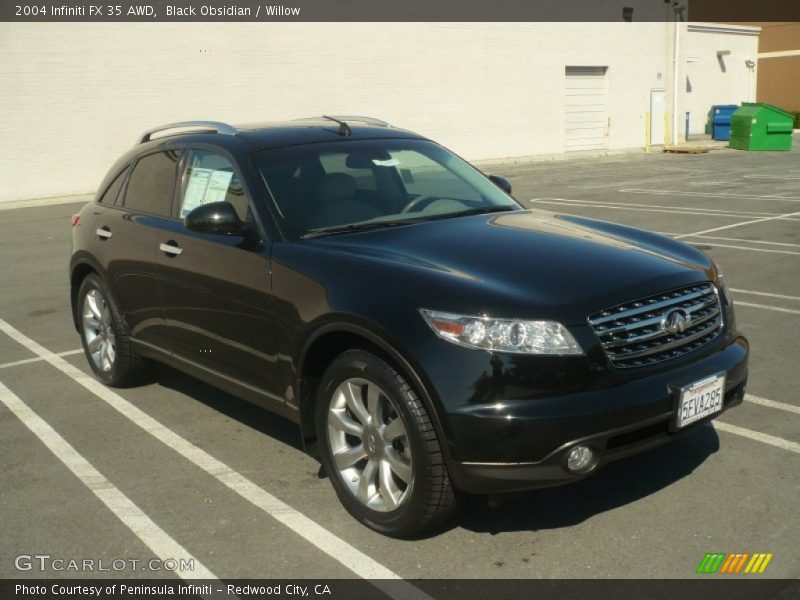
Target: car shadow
[246,413]
[614,485]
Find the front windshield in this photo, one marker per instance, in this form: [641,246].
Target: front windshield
[327,187]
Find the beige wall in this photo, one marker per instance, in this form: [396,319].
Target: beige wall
[73,97]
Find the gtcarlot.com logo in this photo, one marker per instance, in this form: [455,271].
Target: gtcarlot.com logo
[734,563]
[45,562]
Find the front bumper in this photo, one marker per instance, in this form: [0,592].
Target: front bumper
[520,445]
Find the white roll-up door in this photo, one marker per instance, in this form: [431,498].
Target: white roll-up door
[585,118]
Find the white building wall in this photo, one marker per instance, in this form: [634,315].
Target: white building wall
[73,97]
[710,78]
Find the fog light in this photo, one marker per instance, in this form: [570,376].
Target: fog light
[579,458]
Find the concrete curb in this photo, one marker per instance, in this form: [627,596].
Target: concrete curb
[55,200]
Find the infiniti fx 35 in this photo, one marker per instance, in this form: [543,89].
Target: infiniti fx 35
[428,334]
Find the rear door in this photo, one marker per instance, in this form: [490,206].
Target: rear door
[126,231]
[216,289]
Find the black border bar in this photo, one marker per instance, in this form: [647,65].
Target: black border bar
[742,11]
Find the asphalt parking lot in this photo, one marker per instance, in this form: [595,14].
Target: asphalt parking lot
[198,474]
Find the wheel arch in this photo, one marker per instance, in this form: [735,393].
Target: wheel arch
[330,341]
[80,269]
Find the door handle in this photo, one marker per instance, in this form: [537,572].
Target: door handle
[103,232]
[171,248]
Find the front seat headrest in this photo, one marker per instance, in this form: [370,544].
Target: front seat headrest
[336,186]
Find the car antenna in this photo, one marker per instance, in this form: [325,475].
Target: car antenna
[344,128]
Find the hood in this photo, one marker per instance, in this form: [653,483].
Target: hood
[543,261]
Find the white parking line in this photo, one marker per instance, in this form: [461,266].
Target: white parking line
[637,209]
[155,538]
[758,436]
[680,209]
[769,307]
[27,361]
[781,177]
[329,543]
[750,248]
[772,404]
[767,294]
[732,225]
[730,239]
[710,194]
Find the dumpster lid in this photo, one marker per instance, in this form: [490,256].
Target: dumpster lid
[787,114]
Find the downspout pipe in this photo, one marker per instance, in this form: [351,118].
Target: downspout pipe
[675,71]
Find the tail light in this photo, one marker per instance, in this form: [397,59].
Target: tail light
[75,219]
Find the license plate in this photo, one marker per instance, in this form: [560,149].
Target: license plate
[701,399]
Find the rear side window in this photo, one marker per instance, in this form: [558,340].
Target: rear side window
[152,182]
[111,193]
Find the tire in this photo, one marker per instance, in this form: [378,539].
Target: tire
[100,322]
[407,490]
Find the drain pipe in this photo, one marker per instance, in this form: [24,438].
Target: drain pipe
[675,70]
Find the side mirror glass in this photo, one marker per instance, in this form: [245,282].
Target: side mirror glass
[216,218]
[501,182]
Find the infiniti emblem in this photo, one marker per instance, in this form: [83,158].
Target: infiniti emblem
[675,321]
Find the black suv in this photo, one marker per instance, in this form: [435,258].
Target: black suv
[427,333]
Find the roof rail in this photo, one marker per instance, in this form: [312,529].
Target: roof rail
[367,120]
[215,126]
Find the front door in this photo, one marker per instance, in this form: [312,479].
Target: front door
[215,289]
[657,108]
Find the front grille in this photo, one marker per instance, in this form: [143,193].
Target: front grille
[633,334]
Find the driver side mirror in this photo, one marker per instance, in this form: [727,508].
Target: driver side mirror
[217,218]
[501,182]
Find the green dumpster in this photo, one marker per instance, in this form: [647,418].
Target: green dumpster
[759,126]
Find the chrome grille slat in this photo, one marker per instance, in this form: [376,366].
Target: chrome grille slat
[631,333]
[599,320]
[669,345]
[657,319]
[653,336]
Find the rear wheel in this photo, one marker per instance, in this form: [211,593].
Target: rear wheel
[379,447]
[104,336]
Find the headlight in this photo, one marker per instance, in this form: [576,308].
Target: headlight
[502,335]
[722,286]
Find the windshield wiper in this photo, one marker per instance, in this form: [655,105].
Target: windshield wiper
[481,210]
[354,227]
[408,221]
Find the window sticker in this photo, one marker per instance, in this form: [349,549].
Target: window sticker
[204,186]
[391,162]
[218,186]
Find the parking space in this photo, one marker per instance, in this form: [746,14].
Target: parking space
[229,484]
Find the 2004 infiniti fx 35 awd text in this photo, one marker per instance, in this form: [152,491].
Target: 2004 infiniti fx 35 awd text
[427,333]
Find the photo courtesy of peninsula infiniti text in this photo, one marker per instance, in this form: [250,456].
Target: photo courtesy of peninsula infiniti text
[429,336]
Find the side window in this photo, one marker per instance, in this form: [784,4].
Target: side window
[112,192]
[152,183]
[357,166]
[210,177]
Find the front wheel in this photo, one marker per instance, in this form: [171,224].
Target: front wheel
[379,447]
[104,335]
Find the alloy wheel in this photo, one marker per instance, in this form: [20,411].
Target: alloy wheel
[98,330]
[369,445]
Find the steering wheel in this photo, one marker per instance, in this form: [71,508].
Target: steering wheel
[418,204]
